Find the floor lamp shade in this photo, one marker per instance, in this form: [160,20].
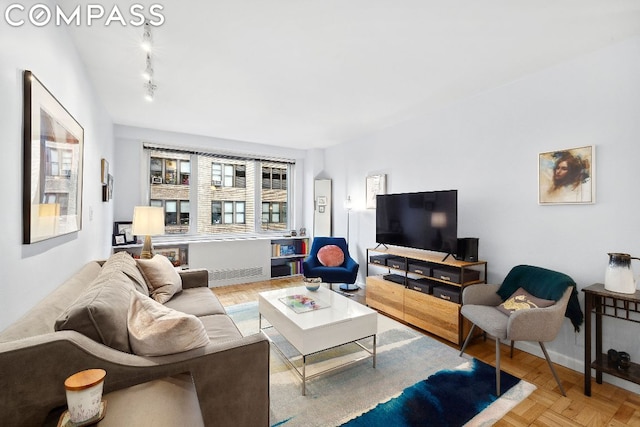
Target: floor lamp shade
[147,221]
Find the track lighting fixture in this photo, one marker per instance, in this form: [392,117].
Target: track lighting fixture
[146,37]
[149,86]
[147,74]
[150,90]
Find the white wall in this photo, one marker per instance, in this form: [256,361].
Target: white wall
[29,272]
[487,147]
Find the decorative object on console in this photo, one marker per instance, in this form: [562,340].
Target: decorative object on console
[567,176]
[619,276]
[376,184]
[52,171]
[624,360]
[148,221]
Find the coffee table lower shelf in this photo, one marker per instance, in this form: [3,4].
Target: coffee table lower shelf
[302,373]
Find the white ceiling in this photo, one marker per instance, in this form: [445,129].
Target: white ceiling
[314,73]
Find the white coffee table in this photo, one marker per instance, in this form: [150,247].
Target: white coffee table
[341,321]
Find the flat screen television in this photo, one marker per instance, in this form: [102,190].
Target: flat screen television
[425,220]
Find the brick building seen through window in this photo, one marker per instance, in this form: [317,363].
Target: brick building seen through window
[205,194]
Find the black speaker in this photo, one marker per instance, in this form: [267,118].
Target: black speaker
[467,249]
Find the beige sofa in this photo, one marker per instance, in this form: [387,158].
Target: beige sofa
[223,383]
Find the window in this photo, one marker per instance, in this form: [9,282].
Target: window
[173,210]
[184,212]
[58,161]
[204,193]
[170,212]
[216,212]
[216,174]
[228,212]
[185,172]
[228,175]
[240,218]
[274,212]
[274,178]
[169,171]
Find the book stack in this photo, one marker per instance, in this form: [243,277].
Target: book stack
[298,247]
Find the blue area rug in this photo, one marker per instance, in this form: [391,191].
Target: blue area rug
[408,364]
[450,397]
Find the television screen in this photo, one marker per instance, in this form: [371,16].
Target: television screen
[425,220]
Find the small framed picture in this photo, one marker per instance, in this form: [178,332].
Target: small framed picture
[124,228]
[376,184]
[119,239]
[321,209]
[322,200]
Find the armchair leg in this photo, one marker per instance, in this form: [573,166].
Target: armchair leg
[553,371]
[511,355]
[497,367]
[466,341]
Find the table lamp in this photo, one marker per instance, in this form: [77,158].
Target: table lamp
[147,221]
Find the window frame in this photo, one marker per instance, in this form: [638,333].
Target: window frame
[242,172]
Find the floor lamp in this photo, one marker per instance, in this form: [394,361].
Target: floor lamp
[348,286]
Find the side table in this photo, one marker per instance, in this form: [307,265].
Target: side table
[609,304]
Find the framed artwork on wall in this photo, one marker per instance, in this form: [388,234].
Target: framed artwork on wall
[376,184]
[567,176]
[53,143]
[104,171]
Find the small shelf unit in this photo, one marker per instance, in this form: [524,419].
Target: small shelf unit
[287,255]
[603,303]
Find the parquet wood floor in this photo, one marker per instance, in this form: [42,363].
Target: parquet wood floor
[608,406]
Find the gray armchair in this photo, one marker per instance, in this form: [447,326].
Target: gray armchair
[480,302]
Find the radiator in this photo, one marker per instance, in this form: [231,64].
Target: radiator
[232,262]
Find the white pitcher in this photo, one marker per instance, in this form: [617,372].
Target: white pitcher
[619,276]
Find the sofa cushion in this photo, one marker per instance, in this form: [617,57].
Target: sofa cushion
[123,261]
[156,330]
[331,256]
[170,401]
[100,313]
[161,276]
[196,301]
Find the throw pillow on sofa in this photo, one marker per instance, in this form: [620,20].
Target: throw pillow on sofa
[123,261]
[156,330]
[161,276]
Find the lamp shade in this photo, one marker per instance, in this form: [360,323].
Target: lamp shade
[148,221]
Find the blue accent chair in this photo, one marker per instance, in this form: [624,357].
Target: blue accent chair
[345,273]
